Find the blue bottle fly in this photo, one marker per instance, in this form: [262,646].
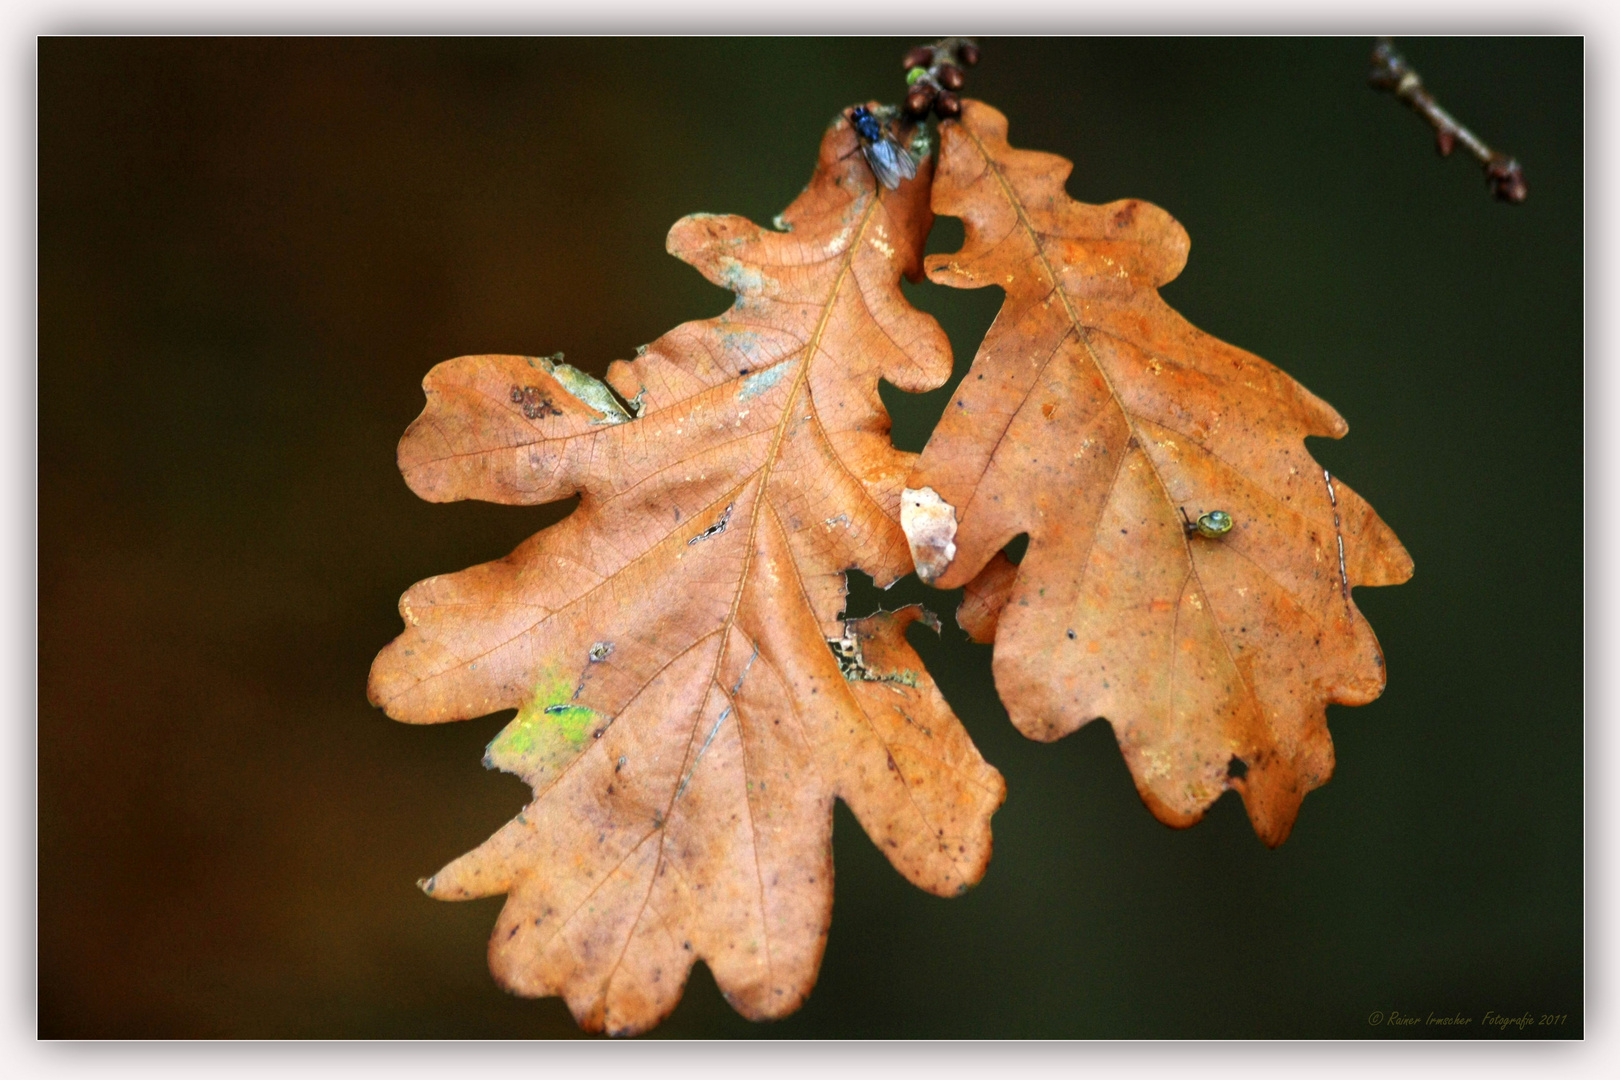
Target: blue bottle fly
[890,161]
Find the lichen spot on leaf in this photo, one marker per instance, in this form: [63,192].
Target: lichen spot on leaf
[548,732]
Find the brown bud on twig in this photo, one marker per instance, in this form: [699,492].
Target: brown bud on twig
[1445,141]
[1506,179]
[934,76]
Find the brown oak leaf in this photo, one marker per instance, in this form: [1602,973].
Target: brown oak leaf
[689,700]
[1101,423]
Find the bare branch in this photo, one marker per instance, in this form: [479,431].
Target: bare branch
[1391,72]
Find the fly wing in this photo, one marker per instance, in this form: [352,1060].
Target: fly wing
[882,163]
[907,163]
[890,162]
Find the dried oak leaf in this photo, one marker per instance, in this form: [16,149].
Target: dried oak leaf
[689,701]
[1094,418]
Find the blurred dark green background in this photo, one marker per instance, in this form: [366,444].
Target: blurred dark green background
[251,251]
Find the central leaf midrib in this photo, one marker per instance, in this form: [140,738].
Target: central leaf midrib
[764,475]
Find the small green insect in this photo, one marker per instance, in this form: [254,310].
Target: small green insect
[1212,525]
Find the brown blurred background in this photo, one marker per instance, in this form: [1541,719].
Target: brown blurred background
[251,251]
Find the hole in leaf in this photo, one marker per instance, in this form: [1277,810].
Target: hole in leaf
[947,235]
[1016,547]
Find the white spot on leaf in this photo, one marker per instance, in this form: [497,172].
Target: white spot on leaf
[930,527]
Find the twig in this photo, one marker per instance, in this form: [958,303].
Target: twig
[1391,72]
